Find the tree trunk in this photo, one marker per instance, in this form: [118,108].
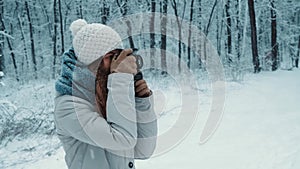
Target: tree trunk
[210,17]
[208,26]
[152,34]
[31,39]
[46,15]
[190,34]
[1,37]
[298,54]
[79,9]
[199,23]
[200,14]
[24,46]
[274,37]
[13,56]
[255,58]
[245,27]
[61,28]
[54,38]
[179,24]
[238,29]
[164,36]
[218,35]
[104,12]
[228,26]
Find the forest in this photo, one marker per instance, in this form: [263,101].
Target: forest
[202,59]
[249,35]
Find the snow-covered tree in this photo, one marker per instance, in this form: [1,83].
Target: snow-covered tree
[35,33]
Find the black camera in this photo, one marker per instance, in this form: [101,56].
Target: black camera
[139,63]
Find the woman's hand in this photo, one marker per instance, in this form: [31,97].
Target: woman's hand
[124,63]
[141,89]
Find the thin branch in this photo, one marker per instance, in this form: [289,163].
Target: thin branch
[6,35]
[210,17]
[184,8]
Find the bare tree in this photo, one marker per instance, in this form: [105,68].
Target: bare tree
[298,54]
[13,56]
[274,36]
[79,8]
[31,39]
[152,34]
[228,26]
[54,37]
[263,37]
[164,36]
[175,5]
[199,13]
[46,15]
[219,31]
[25,58]
[104,12]
[297,21]
[61,28]
[206,31]
[1,36]
[239,30]
[190,33]
[255,58]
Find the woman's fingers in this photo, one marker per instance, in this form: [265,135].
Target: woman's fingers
[124,54]
[144,93]
[139,82]
[141,87]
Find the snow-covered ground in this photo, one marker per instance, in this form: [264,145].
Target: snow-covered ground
[259,130]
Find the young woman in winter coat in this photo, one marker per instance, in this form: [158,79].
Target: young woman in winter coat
[104,119]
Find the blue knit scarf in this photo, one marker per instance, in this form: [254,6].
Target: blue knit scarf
[75,78]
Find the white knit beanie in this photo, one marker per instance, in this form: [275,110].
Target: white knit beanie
[91,41]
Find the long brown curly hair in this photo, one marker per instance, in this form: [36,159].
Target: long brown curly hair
[101,82]
[101,89]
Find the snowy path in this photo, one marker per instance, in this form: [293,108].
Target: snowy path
[259,130]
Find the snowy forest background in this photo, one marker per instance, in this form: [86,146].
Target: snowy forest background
[34,34]
[250,36]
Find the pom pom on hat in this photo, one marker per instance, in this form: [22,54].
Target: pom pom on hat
[77,25]
[91,41]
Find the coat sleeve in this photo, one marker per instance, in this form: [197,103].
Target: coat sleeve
[76,118]
[146,128]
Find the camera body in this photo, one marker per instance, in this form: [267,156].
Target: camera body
[139,63]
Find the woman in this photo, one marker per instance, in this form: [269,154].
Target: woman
[117,125]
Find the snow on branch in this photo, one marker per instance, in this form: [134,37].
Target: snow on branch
[6,34]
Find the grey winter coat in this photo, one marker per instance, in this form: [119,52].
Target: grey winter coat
[91,142]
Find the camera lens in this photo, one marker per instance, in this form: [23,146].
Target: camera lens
[139,61]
